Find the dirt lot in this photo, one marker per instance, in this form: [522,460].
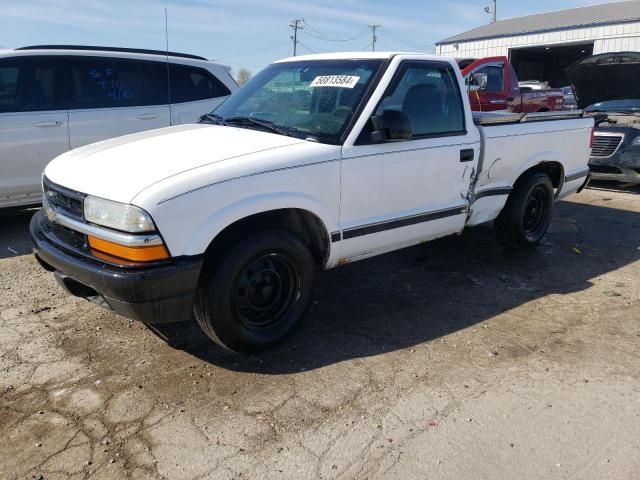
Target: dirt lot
[451,360]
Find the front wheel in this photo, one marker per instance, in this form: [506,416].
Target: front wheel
[527,215]
[259,290]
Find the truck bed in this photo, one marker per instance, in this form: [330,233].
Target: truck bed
[488,119]
[558,138]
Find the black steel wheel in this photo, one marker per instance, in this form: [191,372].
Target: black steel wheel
[534,218]
[264,291]
[526,217]
[257,292]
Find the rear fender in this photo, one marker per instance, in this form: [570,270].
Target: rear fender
[540,159]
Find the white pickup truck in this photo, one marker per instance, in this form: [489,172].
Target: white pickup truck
[318,161]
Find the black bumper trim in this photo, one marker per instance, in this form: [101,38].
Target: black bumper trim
[576,176]
[153,293]
[586,183]
[494,192]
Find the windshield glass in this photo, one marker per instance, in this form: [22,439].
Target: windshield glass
[627,105]
[315,98]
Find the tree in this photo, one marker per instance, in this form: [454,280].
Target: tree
[244,75]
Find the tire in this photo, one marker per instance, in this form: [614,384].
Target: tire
[259,290]
[526,217]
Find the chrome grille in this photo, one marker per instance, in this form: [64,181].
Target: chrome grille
[605,145]
[62,199]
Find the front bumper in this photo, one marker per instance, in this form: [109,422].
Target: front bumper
[158,292]
[623,166]
[625,175]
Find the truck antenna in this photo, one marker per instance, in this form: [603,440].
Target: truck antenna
[166,38]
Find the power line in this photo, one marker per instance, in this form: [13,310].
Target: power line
[306,47]
[428,46]
[398,38]
[253,51]
[334,40]
[314,32]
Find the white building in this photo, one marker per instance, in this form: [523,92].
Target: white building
[541,46]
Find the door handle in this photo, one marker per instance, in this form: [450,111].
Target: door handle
[47,124]
[467,155]
[148,116]
[501,101]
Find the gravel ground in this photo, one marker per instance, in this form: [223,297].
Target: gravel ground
[454,359]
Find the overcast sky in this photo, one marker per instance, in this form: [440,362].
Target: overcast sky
[252,33]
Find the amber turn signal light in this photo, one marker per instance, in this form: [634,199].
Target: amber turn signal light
[134,254]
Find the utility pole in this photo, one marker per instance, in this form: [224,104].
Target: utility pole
[295,24]
[494,12]
[374,39]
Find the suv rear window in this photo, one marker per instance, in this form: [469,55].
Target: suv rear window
[189,84]
[27,84]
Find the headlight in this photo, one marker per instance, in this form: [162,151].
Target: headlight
[636,141]
[119,216]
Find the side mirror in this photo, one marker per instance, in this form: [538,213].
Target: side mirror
[480,81]
[390,126]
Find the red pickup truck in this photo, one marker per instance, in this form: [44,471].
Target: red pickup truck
[493,85]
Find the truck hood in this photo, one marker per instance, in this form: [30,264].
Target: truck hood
[118,169]
[610,76]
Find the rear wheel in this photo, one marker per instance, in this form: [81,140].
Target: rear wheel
[258,291]
[527,215]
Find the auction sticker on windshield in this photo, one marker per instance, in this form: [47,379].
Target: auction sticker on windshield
[342,81]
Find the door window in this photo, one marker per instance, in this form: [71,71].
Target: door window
[428,93]
[495,78]
[98,82]
[189,84]
[27,85]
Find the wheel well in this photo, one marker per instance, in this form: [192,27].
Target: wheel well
[555,171]
[543,109]
[307,226]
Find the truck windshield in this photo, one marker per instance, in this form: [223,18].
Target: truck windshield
[307,99]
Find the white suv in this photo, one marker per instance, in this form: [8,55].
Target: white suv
[56,98]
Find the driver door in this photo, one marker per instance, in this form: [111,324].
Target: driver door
[397,194]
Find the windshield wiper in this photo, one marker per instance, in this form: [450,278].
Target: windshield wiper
[211,118]
[266,124]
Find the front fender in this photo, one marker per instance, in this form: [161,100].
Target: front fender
[214,224]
